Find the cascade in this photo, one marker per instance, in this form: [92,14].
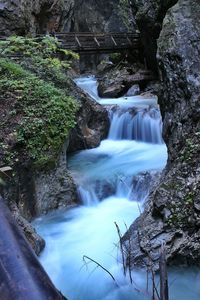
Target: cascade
[143,125]
[113,181]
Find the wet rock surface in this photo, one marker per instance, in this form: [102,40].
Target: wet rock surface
[37,243]
[172,213]
[55,189]
[118,81]
[92,124]
[36,192]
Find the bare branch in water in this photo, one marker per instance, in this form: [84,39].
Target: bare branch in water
[99,265]
[121,248]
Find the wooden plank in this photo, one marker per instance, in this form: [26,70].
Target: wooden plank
[76,38]
[5,169]
[113,40]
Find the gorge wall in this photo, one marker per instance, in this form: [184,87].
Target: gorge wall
[149,15]
[172,215]
[99,16]
[23,17]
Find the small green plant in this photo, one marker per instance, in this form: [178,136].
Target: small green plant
[116,57]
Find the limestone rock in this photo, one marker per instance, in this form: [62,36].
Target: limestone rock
[99,16]
[149,15]
[172,214]
[22,17]
[92,124]
[34,239]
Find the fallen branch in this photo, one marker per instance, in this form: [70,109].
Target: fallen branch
[99,265]
[121,248]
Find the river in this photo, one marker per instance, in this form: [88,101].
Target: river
[113,181]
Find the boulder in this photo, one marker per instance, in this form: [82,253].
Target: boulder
[118,81]
[92,123]
[134,90]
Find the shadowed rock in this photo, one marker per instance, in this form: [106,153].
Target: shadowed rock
[21,275]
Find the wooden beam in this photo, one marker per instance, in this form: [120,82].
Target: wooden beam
[5,169]
[89,41]
[128,40]
[112,38]
[77,40]
[96,41]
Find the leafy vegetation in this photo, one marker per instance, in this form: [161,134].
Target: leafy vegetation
[45,56]
[38,114]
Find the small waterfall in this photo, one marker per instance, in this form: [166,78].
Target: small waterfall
[116,168]
[88,196]
[144,125]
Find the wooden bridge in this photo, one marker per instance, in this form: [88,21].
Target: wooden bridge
[98,42]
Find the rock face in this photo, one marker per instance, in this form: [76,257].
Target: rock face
[34,239]
[173,212]
[99,16]
[56,188]
[22,17]
[21,275]
[92,124]
[38,192]
[149,15]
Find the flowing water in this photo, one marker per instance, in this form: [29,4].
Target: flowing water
[113,181]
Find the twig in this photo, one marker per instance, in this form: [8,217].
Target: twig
[129,255]
[99,265]
[121,248]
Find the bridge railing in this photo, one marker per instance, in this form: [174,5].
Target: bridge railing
[104,42]
[83,41]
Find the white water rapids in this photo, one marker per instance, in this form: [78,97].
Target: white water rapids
[113,181]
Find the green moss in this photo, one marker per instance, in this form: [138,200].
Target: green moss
[38,114]
[44,57]
[191,148]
